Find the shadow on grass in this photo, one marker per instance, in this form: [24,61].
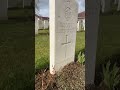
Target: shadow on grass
[17,54]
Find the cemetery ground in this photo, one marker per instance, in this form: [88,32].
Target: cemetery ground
[14,35]
[72,74]
[16,51]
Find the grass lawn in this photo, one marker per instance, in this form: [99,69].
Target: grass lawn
[16,53]
[42,47]
[109,37]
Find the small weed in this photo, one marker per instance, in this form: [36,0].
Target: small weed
[111,76]
[81,58]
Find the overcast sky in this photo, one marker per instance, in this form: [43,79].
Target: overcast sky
[44,7]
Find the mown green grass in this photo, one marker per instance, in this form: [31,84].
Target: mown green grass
[109,37]
[42,47]
[16,53]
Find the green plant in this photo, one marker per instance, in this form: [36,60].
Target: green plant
[81,58]
[111,76]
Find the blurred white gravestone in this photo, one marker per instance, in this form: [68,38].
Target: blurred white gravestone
[41,24]
[78,25]
[92,27]
[3,10]
[36,25]
[63,27]
[46,24]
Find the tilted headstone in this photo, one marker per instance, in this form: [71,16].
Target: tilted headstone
[63,26]
[91,26]
[3,10]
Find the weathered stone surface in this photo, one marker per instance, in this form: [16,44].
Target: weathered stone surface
[63,26]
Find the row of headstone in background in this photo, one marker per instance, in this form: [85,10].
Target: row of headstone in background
[106,5]
[81,25]
[44,24]
[18,3]
[41,23]
[81,21]
[3,10]
[117,2]
[5,4]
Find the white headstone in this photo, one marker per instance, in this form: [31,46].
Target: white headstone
[46,24]
[41,24]
[115,2]
[3,10]
[63,26]
[78,25]
[36,25]
[84,24]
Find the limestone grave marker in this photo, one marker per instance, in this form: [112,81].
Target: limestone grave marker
[63,27]
[41,24]
[46,24]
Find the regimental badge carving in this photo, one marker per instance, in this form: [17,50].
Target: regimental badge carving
[68,11]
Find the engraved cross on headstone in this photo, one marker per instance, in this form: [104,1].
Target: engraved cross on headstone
[66,43]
